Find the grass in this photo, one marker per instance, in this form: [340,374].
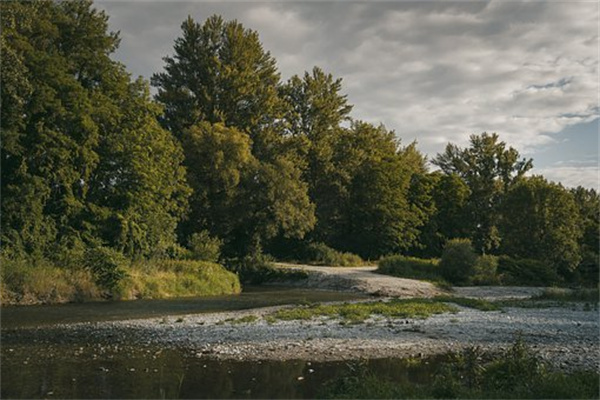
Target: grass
[177,278]
[42,282]
[242,320]
[359,312]
[516,373]
[413,268]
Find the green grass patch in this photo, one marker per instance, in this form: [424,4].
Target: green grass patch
[156,279]
[42,282]
[358,312]
[413,268]
[243,320]
[479,304]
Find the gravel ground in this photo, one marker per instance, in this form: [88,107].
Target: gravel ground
[565,337]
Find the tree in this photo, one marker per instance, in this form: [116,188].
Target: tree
[588,204]
[540,221]
[220,93]
[371,214]
[315,110]
[489,169]
[220,73]
[83,159]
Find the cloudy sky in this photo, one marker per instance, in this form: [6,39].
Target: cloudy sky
[433,71]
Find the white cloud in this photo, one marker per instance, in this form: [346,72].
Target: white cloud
[572,176]
[432,71]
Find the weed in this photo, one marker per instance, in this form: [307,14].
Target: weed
[359,312]
[479,304]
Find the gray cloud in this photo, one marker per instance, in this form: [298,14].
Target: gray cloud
[432,71]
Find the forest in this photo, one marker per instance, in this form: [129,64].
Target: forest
[109,191]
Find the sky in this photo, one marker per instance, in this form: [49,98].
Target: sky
[432,71]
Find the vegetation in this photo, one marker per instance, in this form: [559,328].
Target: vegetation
[227,160]
[517,373]
[458,261]
[410,267]
[358,312]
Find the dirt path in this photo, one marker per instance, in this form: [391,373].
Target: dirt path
[363,280]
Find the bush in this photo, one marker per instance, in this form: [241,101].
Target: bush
[258,268]
[526,272]
[410,267]
[458,261]
[321,254]
[204,247]
[107,265]
[486,271]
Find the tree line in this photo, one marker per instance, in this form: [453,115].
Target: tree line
[229,153]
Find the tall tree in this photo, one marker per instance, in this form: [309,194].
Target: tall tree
[588,204]
[220,73]
[67,106]
[540,221]
[373,215]
[315,111]
[489,169]
[220,93]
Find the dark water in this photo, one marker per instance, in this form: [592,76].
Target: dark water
[74,373]
[39,360]
[252,297]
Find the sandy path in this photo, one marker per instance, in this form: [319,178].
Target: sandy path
[363,280]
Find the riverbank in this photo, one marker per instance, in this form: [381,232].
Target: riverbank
[565,337]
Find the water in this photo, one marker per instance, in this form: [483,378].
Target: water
[82,373]
[39,360]
[252,297]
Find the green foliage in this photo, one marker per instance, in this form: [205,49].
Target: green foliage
[410,267]
[458,261]
[163,278]
[204,247]
[485,271]
[358,312]
[321,254]
[540,221]
[489,169]
[516,373]
[35,281]
[83,157]
[258,268]
[526,272]
[107,265]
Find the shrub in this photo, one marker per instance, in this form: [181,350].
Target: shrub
[258,268]
[204,247]
[321,254]
[107,265]
[458,261]
[486,270]
[526,272]
[410,267]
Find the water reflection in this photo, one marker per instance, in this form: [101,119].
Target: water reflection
[151,373]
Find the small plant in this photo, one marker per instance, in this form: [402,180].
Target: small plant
[411,267]
[486,270]
[458,261]
[107,265]
[204,247]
